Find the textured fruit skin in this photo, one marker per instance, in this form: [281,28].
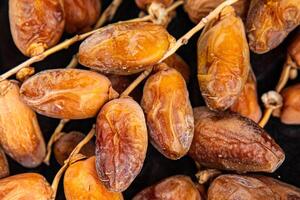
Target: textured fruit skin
[81,182]
[20,134]
[172,188]
[247,103]
[176,62]
[25,186]
[63,147]
[228,141]
[270,21]
[169,113]
[143,4]
[121,143]
[223,61]
[290,111]
[197,9]
[4,167]
[36,25]
[67,93]
[125,48]
[294,50]
[81,15]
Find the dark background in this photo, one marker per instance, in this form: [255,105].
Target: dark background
[267,68]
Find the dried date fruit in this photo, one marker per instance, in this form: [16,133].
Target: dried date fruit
[143,4]
[4,167]
[125,48]
[294,50]
[176,62]
[81,182]
[65,145]
[198,9]
[119,83]
[175,187]
[225,140]
[121,143]
[81,15]
[168,112]
[36,25]
[270,21]
[290,111]
[20,134]
[223,61]
[67,93]
[25,186]
[247,103]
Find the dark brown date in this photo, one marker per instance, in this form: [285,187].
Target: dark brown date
[4,167]
[294,50]
[36,25]
[143,4]
[121,143]
[224,140]
[290,111]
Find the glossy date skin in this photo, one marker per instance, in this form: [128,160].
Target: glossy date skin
[228,141]
[290,111]
[168,113]
[223,61]
[4,167]
[36,25]
[121,143]
[172,188]
[81,182]
[67,93]
[125,48]
[20,134]
[270,21]
[144,4]
[176,62]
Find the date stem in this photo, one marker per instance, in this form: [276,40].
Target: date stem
[109,13]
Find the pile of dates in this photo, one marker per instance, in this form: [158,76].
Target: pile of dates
[222,137]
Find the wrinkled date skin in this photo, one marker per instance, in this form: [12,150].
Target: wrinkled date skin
[223,61]
[294,50]
[176,187]
[81,15]
[36,25]
[198,9]
[81,182]
[121,143]
[4,167]
[270,21]
[65,145]
[25,186]
[20,134]
[169,113]
[67,93]
[228,141]
[176,62]
[143,4]
[125,48]
[290,111]
[247,104]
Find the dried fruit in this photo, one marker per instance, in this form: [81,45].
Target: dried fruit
[223,61]
[25,186]
[64,146]
[143,4]
[125,48]
[270,21]
[67,93]
[197,9]
[119,83]
[294,50]
[4,168]
[176,62]
[36,25]
[168,112]
[81,15]
[20,134]
[224,140]
[175,187]
[290,111]
[121,143]
[247,103]
[81,182]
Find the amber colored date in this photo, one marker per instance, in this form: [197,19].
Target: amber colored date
[176,187]
[20,134]
[4,167]
[270,21]
[81,15]
[65,145]
[176,62]
[36,25]
[67,93]
[294,50]
[169,113]
[143,4]
[247,103]
[121,143]
[223,61]
[125,48]
[31,186]
[224,140]
[81,182]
